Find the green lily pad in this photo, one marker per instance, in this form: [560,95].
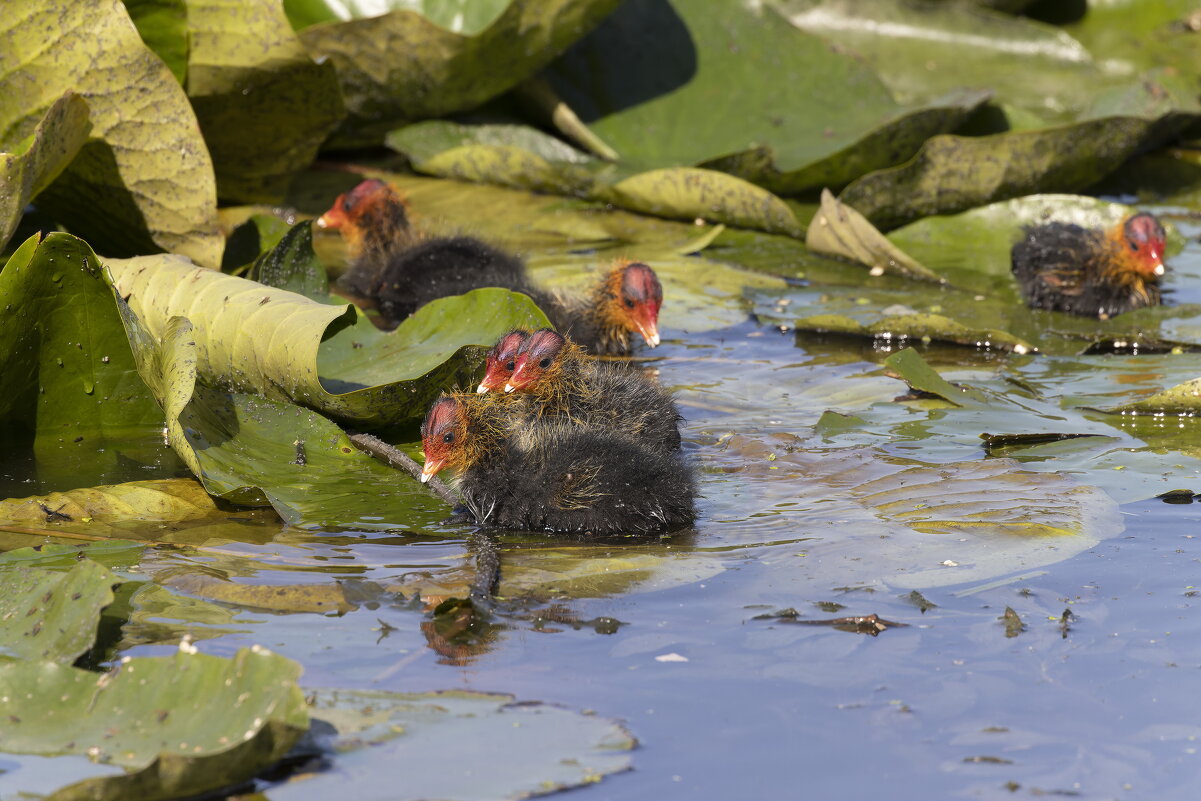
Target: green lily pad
[953,173]
[33,163]
[133,188]
[524,158]
[263,105]
[734,87]
[838,230]
[68,376]
[288,348]
[250,239]
[292,265]
[50,615]
[524,748]
[110,553]
[910,367]
[254,451]
[153,716]
[444,71]
[468,17]
[1183,399]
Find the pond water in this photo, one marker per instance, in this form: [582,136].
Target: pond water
[829,515]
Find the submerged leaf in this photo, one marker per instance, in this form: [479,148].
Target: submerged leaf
[144,181]
[155,717]
[29,165]
[162,500]
[839,230]
[899,328]
[525,748]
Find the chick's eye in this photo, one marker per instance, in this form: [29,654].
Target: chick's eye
[510,366]
[347,205]
[1134,246]
[448,437]
[629,303]
[544,363]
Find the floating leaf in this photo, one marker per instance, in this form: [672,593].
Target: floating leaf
[900,328]
[162,500]
[154,717]
[144,182]
[289,348]
[911,368]
[51,615]
[30,165]
[734,87]
[839,230]
[525,158]
[263,104]
[524,748]
[444,71]
[953,173]
[1181,399]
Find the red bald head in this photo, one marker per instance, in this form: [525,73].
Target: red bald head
[539,355]
[1147,241]
[639,295]
[442,434]
[501,361]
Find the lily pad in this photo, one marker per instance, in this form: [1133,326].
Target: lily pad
[153,716]
[263,105]
[50,615]
[525,158]
[144,181]
[69,376]
[30,165]
[162,500]
[1183,399]
[839,230]
[254,451]
[292,265]
[163,26]
[911,368]
[444,71]
[524,748]
[909,524]
[288,348]
[734,87]
[953,173]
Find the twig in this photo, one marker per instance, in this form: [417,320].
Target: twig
[401,461]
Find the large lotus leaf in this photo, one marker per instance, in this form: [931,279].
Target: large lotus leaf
[144,181]
[286,347]
[30,165]
[51,615]
[917,524]
[163,26]
[263,104]
[519,748]
[251,450]
[403,66]
[921,51]
[525,158]
[953,173]
[733,86]
[68,376]
[180,725]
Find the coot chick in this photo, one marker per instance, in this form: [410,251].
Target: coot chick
[501,361]
[401,275]
[566,383]
[552,475]
[1093,273]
